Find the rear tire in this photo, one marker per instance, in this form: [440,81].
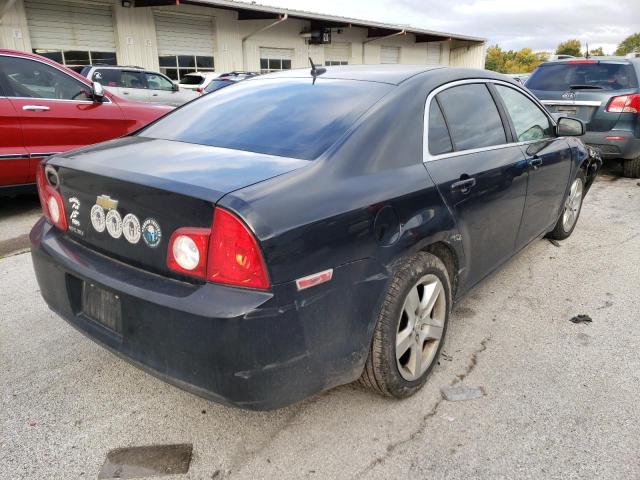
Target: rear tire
[411,327]
[631,168]
[571,211]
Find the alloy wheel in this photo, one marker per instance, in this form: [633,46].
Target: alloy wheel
[420,327]
[572,205]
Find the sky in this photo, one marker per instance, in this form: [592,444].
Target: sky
[513,24]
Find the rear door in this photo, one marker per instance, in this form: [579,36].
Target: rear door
[133,86]
[55,110]
[548,158]
[479,173]
[14,160]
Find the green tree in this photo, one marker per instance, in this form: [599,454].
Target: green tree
[570,47]
[495,59]
[631,44]
[510,61]
[596,52]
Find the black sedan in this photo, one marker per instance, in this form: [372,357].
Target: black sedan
[303,230]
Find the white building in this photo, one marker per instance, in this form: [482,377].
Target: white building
[180,36]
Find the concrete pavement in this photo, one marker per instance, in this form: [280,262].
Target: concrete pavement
[561,399]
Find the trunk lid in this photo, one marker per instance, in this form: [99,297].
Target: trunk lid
[126,197]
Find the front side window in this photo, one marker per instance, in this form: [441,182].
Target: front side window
[177,66]
[158,82]
[439,139]
[32,79]
[529,121]
[76,59]
[472,117]
[288,117]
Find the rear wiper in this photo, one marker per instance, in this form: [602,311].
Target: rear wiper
[585,87]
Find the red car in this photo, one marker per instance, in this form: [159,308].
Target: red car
[46,108]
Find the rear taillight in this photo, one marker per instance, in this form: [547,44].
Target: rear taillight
[624,104]
[199,89]
[51,201]
[228,253]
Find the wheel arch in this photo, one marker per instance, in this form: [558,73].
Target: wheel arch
[447,254]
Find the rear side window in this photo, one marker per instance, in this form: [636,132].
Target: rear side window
[528,120]
[288,117]
[564,76]
[192,80]
[439,139]
[107,77]
[472,116]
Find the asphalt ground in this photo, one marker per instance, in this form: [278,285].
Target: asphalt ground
[560,400]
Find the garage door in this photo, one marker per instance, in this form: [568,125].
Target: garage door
[433,53]
[185,44]
[390,55]
[72,33]
[337,53]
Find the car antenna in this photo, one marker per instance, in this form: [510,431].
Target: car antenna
[315,71]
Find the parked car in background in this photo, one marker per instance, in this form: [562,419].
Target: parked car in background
[605,94]
[46,108]
[197,81]
[138,84]
[302,243]
[227,79]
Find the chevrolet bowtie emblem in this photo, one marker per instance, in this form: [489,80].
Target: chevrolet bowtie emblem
[106,202]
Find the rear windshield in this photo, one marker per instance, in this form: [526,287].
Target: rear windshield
[588,76]
[287,117]
[217,85]
[192,80]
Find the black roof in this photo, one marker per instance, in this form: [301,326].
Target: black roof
[393,74]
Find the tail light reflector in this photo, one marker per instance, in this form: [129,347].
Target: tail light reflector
[50,201]
[227,253]
[624,104]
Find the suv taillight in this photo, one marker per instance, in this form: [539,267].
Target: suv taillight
[227,253]
[50,201]
[624,104]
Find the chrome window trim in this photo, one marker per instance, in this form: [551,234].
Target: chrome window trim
[14,156]
[428,157]
[577,103]
[61,71]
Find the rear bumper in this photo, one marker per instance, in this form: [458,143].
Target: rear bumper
[250,349]
[625,149]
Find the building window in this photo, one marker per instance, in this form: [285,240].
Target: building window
[334,63]
[275,59]
[76,59]
[177,66]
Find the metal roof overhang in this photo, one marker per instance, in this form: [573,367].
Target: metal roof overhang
[252,11]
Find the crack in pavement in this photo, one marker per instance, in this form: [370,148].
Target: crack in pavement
[392,447]
[14,246]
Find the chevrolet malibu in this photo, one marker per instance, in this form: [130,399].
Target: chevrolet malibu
[303,230]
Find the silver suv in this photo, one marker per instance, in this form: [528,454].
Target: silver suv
[136,83]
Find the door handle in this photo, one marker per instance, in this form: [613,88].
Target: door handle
[463,186]
[35,108]
[535,162]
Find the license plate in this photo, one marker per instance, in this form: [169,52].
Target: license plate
[573,111]
[102,306]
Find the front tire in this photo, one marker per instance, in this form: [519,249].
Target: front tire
[571,211]
[411,327]
[631,168]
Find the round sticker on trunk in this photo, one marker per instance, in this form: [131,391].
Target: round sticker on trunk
[131,228]
[97,218]
[151,232]
[114,223]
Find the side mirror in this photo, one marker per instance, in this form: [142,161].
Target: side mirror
[97,91]
[175,87]
[570,127]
